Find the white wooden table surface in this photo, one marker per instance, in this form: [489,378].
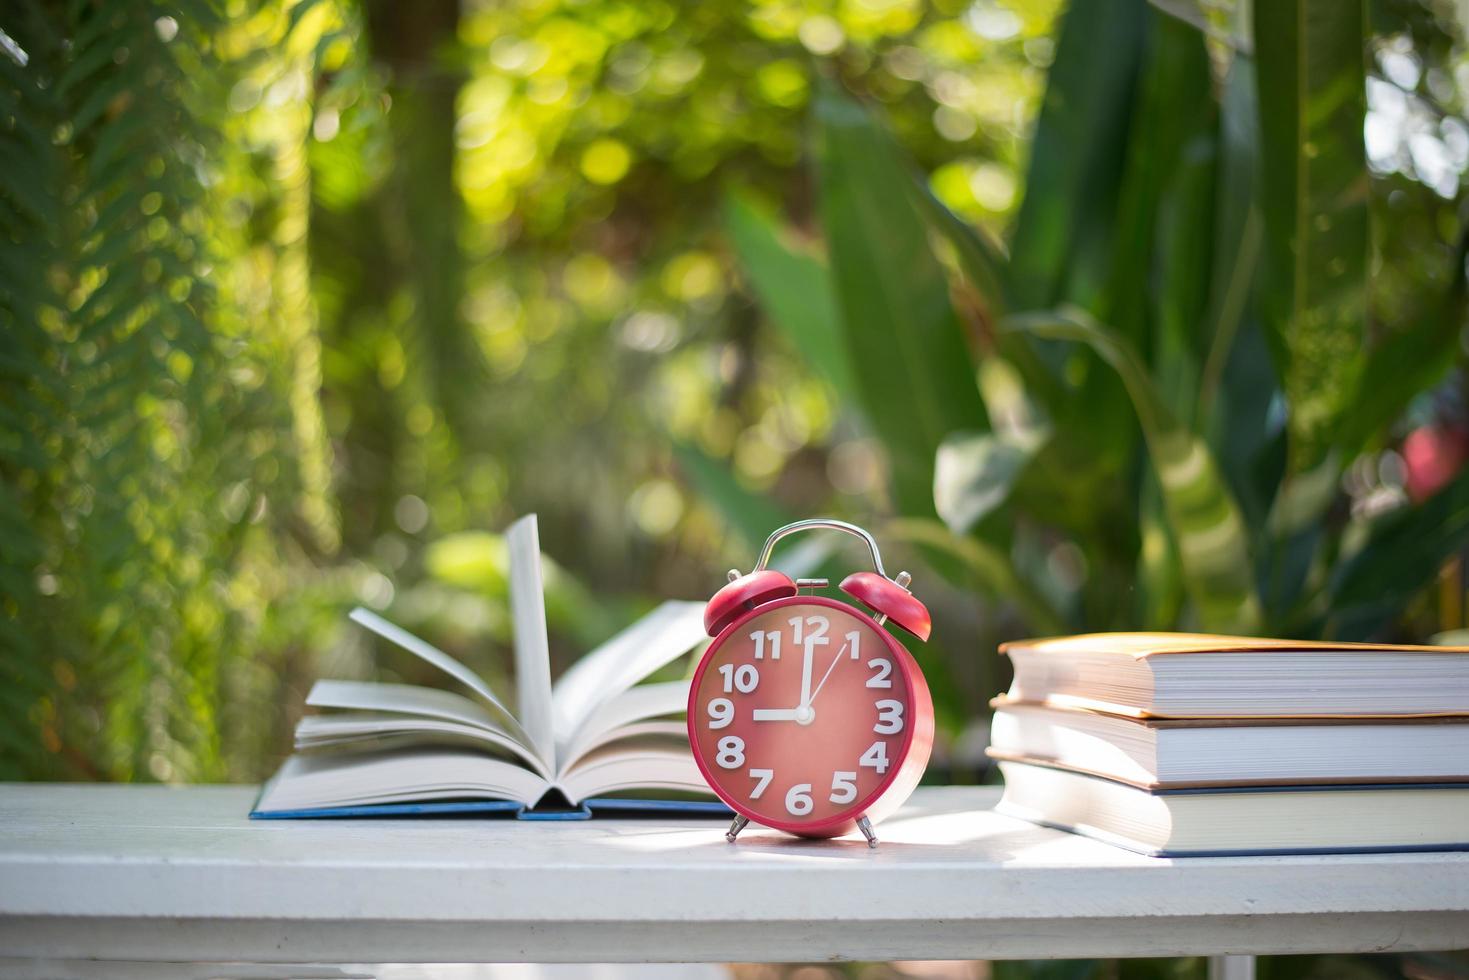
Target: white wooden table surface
[153,874]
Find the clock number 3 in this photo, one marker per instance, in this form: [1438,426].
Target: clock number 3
[889,717]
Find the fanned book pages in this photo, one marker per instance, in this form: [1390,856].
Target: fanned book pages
[390,749]
[1188,675]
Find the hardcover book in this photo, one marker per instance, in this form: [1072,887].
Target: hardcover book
[589,740]
[1302,819]
[1175,753]
[1189,675]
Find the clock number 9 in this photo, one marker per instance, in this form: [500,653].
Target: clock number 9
[742,678]
[731,752]
[721,713]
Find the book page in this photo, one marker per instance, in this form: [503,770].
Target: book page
[402,711]
[614,715]
[532,648]
[643,768]
[431,654]
[308,782]
[665,634]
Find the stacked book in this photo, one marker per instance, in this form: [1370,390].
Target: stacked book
[1180,744]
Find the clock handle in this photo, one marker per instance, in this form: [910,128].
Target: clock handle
[821,523]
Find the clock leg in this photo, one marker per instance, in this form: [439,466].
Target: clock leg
[740,823]
[865,825]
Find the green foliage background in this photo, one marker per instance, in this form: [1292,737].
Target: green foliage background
[1110,316]
[301,300]
[297,300]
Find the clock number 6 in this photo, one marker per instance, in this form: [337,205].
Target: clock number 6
[798,800]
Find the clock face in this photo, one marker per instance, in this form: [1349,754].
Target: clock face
[802,715]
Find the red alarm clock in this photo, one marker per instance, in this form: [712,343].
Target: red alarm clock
[805,714]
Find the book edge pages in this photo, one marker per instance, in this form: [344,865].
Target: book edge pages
[1084,706]
[1164,788]
[1146,645]
[1070,702]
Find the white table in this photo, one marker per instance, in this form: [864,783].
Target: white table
[148,874]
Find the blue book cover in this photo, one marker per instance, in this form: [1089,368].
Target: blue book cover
[611,806]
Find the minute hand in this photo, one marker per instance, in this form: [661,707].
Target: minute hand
[807,657]
[822,683]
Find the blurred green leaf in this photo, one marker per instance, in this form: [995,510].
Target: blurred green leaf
[990,568]
[984,266]
[975,472]
[1403,553]
[1414,357]
[794,288]
[973,475]
[1077,152]
[479,562]
[751,516]
[1201,512]
[982,260]
[908,354]
[1045,969]
[1238,229]
[1155,253]
[1310,57]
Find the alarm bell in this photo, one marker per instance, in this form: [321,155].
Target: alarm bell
[889,599]
[745,592]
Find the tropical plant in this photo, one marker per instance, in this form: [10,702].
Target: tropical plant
[161,447]
[1165,402]
[292,290]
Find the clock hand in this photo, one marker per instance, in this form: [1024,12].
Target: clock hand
[834,661]
[809,655]
[774,714]
[802,713]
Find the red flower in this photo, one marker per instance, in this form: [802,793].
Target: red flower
[1433,456]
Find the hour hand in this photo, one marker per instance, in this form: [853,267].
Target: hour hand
[774,714]
[801,714]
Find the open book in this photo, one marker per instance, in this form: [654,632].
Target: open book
[398,748]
